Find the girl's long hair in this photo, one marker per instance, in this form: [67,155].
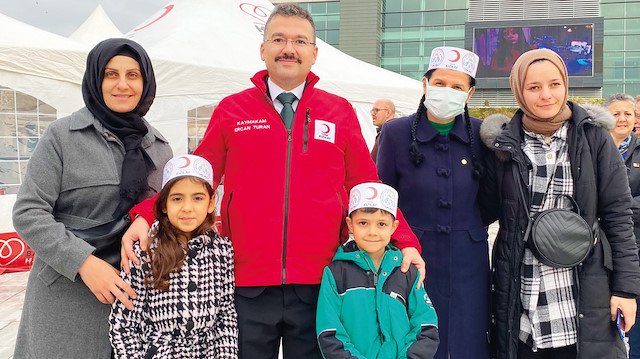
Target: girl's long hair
[168,255]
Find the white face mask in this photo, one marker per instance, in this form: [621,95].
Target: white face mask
[444,102]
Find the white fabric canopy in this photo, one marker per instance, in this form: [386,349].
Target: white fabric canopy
[96,28]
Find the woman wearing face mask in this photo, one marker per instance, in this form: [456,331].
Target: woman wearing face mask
[433,158]
[550,149]
[87,170]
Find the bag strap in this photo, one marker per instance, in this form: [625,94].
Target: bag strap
[574,204]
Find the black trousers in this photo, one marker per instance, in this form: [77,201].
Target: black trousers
[525,352]
[268,314]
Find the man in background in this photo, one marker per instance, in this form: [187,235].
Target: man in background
[383,110]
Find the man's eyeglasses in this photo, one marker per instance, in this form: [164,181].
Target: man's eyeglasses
[374,111]
[282,42]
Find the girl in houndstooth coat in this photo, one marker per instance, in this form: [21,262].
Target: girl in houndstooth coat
[184,284]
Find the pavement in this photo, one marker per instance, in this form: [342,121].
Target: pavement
[12,290]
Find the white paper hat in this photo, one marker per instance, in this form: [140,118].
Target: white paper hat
[454,58]
[373,195]
[187,165]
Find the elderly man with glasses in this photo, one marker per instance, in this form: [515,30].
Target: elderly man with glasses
[383,111]
[290,153]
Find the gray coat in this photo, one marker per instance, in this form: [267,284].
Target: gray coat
[72,181]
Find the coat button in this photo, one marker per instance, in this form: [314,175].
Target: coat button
[384,274]
[189,324]
[580,315]
[395,258]
[191,287]
[444,172]
[193,253]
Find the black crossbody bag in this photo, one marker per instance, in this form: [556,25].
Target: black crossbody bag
[106,238]
[560,237]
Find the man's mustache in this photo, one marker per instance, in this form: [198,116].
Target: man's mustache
[288,57]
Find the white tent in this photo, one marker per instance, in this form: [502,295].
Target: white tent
[41,64]
[97,27]
[202,51]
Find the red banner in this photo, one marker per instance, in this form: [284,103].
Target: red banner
[15,254]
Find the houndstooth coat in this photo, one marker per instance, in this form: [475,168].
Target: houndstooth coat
[195,318]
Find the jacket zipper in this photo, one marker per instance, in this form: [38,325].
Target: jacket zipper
[286,208]
[306,131]
[228,215]
[375,285]
[342,215]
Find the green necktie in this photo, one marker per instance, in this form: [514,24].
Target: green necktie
[287,98]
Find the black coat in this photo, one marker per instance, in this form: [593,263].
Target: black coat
[633,170]
[602,192]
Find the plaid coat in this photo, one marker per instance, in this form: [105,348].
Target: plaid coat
[195,318]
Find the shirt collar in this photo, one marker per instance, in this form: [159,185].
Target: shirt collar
[275,90]
[426,132]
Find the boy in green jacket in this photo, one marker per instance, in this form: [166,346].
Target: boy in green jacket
[368,308]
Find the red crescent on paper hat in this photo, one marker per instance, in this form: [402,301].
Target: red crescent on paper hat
[187,161]
[375,193]
[457,56]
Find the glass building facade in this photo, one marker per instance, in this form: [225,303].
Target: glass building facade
[326,16]
[621,68]
[412,28]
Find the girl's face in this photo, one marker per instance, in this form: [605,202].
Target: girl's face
[188,205]
[122,84]
[510,34]
[544,89]
[623,113]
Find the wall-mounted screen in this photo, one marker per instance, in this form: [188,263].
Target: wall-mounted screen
[499,48]
[500,43]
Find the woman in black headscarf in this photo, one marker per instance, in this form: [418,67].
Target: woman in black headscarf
[87,171]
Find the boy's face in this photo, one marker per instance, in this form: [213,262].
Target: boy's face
[372,231]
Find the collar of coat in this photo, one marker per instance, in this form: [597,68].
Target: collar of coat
[83,118]
[350,252]
[498,129]
[260,81]
[425,132]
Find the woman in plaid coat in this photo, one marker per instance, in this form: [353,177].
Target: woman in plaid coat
[553,147]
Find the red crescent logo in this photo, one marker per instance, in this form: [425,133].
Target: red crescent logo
[375,193]
[326,128]
[457,56]
[258,12]
[166,11]
[10,250]
[187,161]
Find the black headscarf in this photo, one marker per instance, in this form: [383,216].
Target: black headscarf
[128,127]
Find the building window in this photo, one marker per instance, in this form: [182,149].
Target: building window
[412,28]
[621,66]
[197,122]
[23,119]
[326,17]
